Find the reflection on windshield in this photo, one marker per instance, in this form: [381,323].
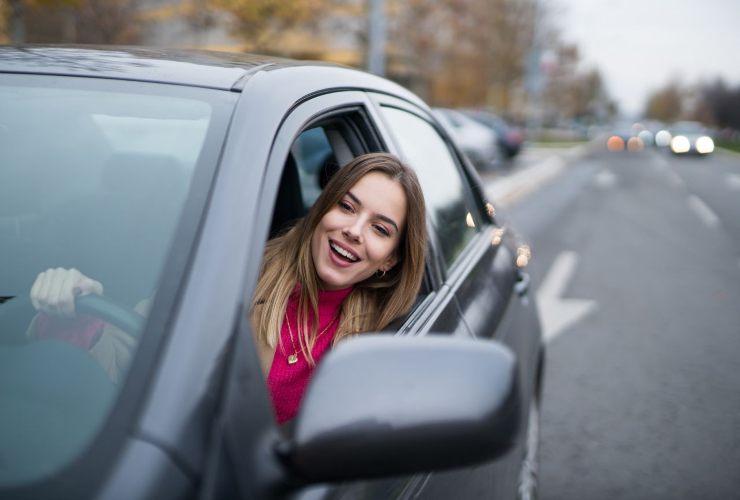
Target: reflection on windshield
[92,179]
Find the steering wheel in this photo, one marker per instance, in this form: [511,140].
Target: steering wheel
[111,312]
[16,313]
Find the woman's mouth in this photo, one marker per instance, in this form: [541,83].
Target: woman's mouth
[342,253]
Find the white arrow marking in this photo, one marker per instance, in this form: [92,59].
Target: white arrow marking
[556,313]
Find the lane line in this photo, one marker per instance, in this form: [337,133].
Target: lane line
[605,178]
[659,162]
[676,180]
[703,211]
[733,181]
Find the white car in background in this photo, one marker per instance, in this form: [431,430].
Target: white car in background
[477,141]
[690,138]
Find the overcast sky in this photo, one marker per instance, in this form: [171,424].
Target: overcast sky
[640,45]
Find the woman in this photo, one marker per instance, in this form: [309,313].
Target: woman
[354,263]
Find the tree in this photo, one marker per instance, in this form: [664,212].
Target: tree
[260,23]
[73,21]
[721,104]
[462,52]
[666,104]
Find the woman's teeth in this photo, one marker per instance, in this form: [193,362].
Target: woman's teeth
[344,253]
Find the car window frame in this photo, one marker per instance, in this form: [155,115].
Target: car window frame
[446,274]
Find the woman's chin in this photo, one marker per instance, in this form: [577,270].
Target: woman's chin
[330,281]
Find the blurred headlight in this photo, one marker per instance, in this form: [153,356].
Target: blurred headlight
[646,137]
[680,144]
[704,145]
[615,143]
[634,144]
[662,138]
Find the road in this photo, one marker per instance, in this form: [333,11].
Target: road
[636,263]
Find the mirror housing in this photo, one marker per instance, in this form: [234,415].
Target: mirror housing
[380,405]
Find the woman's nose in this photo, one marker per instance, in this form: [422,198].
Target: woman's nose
[353,232]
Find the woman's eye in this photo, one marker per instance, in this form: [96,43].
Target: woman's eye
[382,230]
[345,206]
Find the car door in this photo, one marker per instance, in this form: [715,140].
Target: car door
[477,262]
[315,137]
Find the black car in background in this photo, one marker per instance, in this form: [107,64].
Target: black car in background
[162,174]
[510,137]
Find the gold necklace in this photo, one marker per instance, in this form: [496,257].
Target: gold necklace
[293,358]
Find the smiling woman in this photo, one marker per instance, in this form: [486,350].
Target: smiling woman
[354,263]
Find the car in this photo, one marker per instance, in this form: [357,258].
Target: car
[689,137]
[162,174]
[477,141]
[510,138]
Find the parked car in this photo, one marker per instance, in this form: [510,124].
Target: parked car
[510,138]
[477,141]
[162,174]
[690,138]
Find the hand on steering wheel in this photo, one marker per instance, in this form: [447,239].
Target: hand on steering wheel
[55,290]
[66,292]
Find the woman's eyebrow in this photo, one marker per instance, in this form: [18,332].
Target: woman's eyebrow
[379,216]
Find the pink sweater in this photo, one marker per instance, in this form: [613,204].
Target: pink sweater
[287,382]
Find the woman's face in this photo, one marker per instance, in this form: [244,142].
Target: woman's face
[360,234]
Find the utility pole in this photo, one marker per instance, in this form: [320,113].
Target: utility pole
[17,23]
[376,39]
[534,81]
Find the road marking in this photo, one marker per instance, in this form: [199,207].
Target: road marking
[512,188]
[659,162]
[705,213]
[605,178]
[676,180]
[556,313]
[733,181]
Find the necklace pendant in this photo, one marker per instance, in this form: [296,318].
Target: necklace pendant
[292,359]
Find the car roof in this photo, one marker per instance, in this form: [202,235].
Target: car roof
[199,68]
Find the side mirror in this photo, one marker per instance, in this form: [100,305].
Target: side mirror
[381,405]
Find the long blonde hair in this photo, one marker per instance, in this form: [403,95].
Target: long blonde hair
[373,303]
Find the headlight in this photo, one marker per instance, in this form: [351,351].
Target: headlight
[663,138]
[680,144]
[635,144]
[704,145]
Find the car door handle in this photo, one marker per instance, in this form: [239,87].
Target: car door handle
[522,283]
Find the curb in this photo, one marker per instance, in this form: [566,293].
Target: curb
[505,191]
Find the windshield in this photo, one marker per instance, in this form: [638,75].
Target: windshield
[93,177]
[688,128]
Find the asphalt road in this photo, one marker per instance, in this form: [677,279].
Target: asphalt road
[636,264]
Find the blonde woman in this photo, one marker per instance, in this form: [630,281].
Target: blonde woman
[353,264]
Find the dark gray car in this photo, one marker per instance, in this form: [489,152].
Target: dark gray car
[162,175]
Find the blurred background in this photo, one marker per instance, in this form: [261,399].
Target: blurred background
[559,68]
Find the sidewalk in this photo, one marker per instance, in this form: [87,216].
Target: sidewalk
[535,167]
